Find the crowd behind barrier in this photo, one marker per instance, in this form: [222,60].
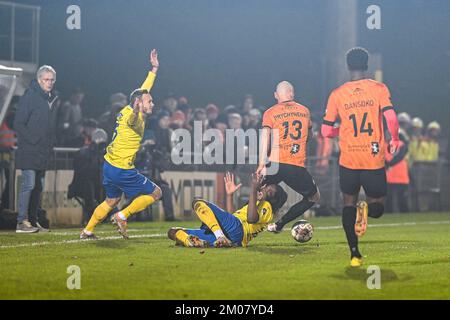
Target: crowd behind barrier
[431,179]
[76,162]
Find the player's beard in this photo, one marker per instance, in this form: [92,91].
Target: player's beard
[148,112]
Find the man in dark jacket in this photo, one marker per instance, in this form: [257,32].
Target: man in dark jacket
[86,185]
[34,124]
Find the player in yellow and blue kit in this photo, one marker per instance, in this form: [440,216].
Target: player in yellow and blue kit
[221,228]
[119,173]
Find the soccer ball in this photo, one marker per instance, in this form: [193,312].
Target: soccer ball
[302,231]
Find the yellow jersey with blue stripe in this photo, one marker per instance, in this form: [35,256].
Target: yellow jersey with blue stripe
[251,230]
[127,136]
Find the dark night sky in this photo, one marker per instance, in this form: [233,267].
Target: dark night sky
[217,51]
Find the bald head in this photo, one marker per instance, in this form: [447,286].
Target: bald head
[284,92]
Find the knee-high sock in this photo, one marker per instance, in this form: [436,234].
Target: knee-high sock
[348,222]
[137,205]
[182,237]
[295,211]
[99,214]
[206,215]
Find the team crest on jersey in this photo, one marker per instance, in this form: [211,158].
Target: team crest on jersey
[295,148]
[375,148]
[358,91]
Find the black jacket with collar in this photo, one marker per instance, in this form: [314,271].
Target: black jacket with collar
[35,126]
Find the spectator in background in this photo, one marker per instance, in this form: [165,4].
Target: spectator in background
[170,103]
[234,121]
[35,127]
[255,118]
[86,185]
[184,106]
[247,105]
[415,141]
[223,117]
[416,128]
[397,172]
[107,121]
[154,158]
[178,120]
[182,101]
[212,113]
[415,145]
[222,127]
[404,121]
[163,133]
[432,140]
[200,115]
[71,119]
[245,121]
[8,140]
[118,98]
[427,148]
[161,159]
[89,126]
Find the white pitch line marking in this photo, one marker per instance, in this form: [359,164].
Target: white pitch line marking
[71,233]
[45,243]
[380,225]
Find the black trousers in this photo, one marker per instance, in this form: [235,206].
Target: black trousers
[397,195]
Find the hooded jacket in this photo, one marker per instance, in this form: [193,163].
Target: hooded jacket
[35,126]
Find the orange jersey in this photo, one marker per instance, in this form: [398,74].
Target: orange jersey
[359,105]
[291,121]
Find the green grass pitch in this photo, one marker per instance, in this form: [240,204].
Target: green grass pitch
[412,252]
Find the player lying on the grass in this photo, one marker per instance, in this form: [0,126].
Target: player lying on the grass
[119,173]
[221,228]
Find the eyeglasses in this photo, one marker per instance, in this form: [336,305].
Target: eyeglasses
[49,80]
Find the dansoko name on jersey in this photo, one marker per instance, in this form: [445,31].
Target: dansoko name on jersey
[359,104]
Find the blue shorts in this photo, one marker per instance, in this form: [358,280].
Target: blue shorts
[230,225]
[129,181]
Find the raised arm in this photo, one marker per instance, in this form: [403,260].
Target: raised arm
[252,212]
[150,80]
[265,138]
[147,85]
[230,189]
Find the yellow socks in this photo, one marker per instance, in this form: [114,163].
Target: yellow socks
[182,237]
[102,210]
[206,215]
[99,214]
[138,204]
